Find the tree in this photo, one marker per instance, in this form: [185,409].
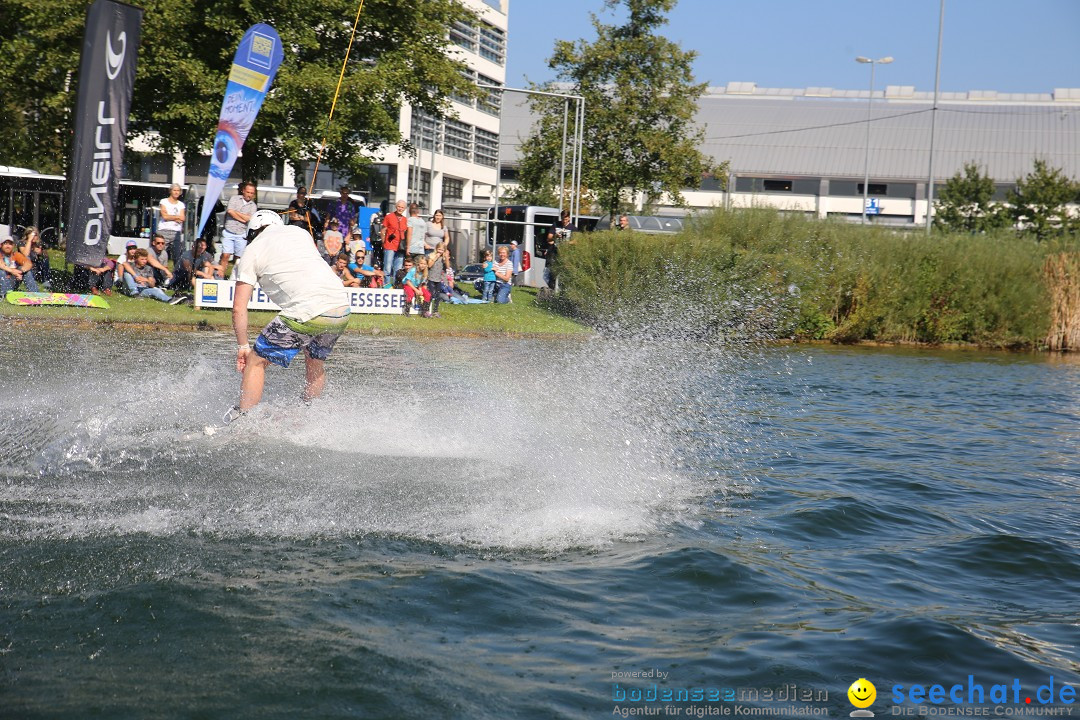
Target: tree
[1039,202]
[966,203]
[400,54]
[640,101]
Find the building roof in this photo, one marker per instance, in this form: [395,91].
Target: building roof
[822,131]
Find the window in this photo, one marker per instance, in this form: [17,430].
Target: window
[457,140]
[452,189]
[491,100]
[425,182]
[777,186]
[492,44]
[875,189]
[470,77]
[425,131]
[463,34]
[487,148]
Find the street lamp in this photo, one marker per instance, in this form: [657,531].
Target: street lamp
[869,110]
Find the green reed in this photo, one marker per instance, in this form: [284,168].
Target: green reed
[818,279]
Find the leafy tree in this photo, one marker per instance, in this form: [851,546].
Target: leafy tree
[1038,204]
[400,54]
[640,101]
[966,203]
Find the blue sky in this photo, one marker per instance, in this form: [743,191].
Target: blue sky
[1003,45]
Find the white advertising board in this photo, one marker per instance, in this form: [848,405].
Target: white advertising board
[218,294]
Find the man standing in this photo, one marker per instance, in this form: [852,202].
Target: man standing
[237,215]
[395,230]
[286,265]
[171,224]
[624,223]
[558,232]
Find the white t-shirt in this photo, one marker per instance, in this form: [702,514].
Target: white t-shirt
[172,208]
[284,262]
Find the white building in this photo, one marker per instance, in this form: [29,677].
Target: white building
[456,160]
[805,150]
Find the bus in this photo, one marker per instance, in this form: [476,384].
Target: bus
[30,198]
[528,225]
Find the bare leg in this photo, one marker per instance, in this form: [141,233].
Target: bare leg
[316,378]
[225,258]
[251,387]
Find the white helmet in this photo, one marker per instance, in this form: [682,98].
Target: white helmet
[263,218]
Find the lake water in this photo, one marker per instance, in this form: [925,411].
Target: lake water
[530,529]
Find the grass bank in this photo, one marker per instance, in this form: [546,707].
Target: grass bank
[790,276]
[522,317]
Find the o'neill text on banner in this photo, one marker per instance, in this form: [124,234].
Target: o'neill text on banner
[106,79]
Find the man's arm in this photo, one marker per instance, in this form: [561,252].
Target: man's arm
[236,214]
[154,263]
[241,297]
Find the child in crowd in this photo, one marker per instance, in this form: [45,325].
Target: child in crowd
[436,276]
[415,285]
[489,277]
[140,279]
[341,269]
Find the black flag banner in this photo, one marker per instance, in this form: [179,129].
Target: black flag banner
[106,79]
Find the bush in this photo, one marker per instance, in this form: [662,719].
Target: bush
[759,272]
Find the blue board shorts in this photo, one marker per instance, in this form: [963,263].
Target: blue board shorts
[283,338]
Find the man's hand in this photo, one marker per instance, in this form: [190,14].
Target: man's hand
[241,357]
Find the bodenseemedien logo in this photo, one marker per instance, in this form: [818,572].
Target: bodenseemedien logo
[862,694]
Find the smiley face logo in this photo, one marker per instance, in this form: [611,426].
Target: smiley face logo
[862,693]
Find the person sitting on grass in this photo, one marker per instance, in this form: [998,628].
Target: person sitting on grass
[369,276]
[97,280]
[504,276]
[159,260]
[140,281]
[415,285]
[125,263]
[341,269]
[489,278]
[15,269]
[196,263]
[34,252]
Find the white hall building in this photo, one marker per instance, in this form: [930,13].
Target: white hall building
[805,150]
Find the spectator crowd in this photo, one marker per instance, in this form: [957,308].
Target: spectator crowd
[401,249]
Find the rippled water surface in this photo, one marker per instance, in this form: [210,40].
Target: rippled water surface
[495,528]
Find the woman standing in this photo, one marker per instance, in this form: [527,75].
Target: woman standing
[436,232]
[171,224]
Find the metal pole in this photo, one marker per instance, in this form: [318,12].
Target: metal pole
[581,156]
[866,160]
[498,188]
[431,172]
[574,161]
[562,162]
[933,121]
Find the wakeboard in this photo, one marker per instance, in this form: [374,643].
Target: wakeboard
[45,298]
